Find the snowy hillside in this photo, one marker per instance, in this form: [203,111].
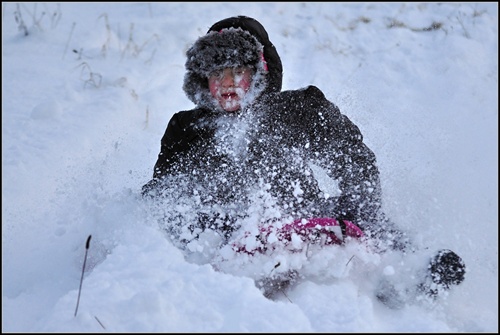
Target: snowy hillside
[88,90]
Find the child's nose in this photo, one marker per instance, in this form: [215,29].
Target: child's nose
[227,79]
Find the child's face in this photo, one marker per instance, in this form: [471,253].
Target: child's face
[229,86]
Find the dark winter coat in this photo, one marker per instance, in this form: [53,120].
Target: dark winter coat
[283,142]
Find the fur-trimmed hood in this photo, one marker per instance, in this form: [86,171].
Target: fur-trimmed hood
[232,42]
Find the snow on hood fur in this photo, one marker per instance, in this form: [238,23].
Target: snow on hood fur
[233,42]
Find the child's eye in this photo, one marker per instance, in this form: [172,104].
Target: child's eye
[217,74]
[239,71]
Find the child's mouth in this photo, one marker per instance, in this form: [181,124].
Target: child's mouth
[229,96]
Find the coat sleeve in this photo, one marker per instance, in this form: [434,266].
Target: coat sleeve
[179,137]
[353,164]
[346,158]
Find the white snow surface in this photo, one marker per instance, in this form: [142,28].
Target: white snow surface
[87,92]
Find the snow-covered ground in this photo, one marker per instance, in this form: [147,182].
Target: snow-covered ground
[88,89]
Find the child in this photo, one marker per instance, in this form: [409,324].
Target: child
[290,154]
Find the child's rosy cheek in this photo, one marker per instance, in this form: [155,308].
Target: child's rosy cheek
[214,88]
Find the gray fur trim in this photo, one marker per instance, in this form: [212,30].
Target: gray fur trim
[231,47]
